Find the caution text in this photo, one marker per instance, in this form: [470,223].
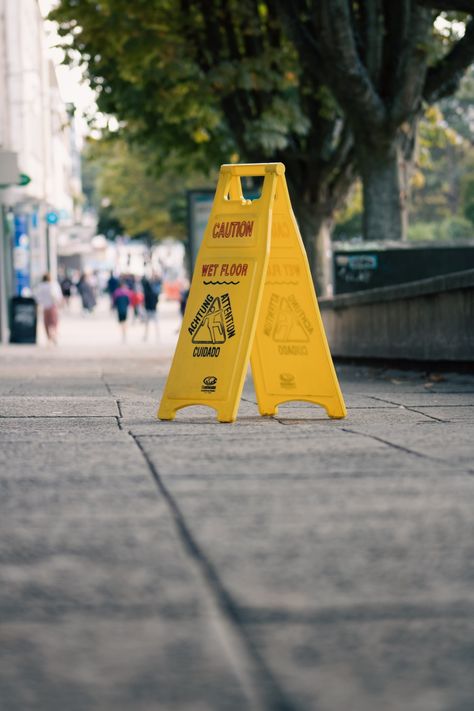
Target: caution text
[232,229]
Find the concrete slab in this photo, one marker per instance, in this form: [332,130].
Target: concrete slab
[427,399]
[435,442]
[54,429]
[450,414]
[112,663]
[318,448]
[58,406]
[416,660]
[335,540]
[388,416]
[71,463]
[59,386]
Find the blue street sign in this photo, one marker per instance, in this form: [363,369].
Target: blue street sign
[52,218]
[21,254]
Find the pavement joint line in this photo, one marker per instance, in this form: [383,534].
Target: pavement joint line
[464,404]
[420,455]
[42,443]
[413,409]
[269,696]
[359,613]
[57,417]
[109,390]
[396,446]
[238,431]
[287,421]
[107,386]
[369,407]
[425,414]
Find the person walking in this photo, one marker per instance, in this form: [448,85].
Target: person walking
[113,284]
[86,291]
[122,300]
[49,296]
[66,288]
[151,294]
[183,297]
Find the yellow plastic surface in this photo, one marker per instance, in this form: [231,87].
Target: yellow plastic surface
[251,293]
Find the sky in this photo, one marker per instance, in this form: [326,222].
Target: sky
[74,88]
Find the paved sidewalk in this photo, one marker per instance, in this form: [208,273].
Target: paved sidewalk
[279,563]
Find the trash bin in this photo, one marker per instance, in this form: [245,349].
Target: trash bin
[23,319]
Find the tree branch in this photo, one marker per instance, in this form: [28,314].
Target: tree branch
[412,67]
[373,34]
[396,29]
[343,64]
[449,5]
[443,78]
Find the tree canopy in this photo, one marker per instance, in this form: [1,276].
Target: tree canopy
[383,62]
[129,195]
[326,86]
[214,82]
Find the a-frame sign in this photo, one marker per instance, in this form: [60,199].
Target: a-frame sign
[251,297]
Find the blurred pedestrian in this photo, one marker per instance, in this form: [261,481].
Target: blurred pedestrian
[86,292]
[136,301]
[49,296]
[112,285]
[122,300]
[183,297]
[151,294]
[66,288]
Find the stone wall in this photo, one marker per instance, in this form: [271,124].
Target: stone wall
[431,319]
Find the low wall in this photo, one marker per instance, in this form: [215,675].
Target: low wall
[430,319]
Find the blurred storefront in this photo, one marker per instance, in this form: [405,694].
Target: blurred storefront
[39,177]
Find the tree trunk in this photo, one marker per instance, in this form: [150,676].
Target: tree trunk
[315,227]
[321,266]
[383,191]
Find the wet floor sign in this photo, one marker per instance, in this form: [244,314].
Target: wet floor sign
[251,297]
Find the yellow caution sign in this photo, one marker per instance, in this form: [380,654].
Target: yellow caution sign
[251,297]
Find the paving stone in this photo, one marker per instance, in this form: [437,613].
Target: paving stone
[318,448]
[428,399]
[114,663]
[450,414]
[335,540]
[394,415]
[57,386]
[57,428]
[444,442]
[71,464]
[373,664]
[98,599]
[63,406]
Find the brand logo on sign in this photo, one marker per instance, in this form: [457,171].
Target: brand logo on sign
[209,384]
[232,229]
[287,380]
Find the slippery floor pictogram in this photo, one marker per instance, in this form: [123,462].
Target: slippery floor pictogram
[212,328]
[214,322]
[288,327]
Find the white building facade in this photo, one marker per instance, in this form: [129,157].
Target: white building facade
[35,131]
